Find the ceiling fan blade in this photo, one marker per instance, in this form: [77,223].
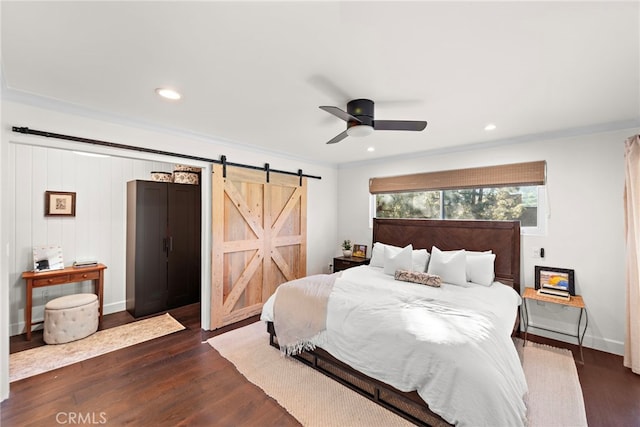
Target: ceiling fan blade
[399,125]
[340,114]
[338,137]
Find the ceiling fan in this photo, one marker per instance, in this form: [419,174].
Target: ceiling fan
[360,121]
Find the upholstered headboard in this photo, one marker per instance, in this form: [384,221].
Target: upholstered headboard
[502,237]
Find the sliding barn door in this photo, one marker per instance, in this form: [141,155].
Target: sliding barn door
[259,239]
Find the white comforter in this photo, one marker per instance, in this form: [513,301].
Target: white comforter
[451,344]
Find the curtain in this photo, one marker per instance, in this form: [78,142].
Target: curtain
[632,241]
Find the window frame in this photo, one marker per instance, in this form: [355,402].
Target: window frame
[541,211]
[532,173]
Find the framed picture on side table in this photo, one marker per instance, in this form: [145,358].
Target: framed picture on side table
[559,279]
[360,251]
[47,258]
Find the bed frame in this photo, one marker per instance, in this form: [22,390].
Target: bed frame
[502,237]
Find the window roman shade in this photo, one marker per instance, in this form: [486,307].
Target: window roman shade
[516,174]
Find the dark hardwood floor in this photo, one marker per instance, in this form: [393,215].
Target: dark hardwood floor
[169,381]
[179,380]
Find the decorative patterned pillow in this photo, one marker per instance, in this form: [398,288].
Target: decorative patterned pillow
[418,277]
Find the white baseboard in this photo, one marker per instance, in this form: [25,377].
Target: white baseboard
[596,343]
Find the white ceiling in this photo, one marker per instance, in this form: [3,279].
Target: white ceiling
[255,73]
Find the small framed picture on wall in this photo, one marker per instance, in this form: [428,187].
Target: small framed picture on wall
[59,203]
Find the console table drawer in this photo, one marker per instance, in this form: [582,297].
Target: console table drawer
[57,280]
[67,278]
[79,277]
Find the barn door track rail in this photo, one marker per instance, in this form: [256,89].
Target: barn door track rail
[223,159]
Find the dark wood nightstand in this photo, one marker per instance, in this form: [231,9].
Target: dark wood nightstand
[343,262]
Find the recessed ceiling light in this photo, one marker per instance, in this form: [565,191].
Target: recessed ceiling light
[371,149]
[168,93]
[490,126]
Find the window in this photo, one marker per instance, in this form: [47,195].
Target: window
[500,204]
[422,204]
[501,193]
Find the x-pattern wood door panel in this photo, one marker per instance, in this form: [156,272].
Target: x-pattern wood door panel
[259,240]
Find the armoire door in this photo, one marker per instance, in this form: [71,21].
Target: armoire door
[146,254]
[183,244]
[259,233]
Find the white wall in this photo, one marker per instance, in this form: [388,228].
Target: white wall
[585,181]
[96,232]
[31,165]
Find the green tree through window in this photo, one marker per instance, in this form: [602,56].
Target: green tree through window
[499,204]
[424,204]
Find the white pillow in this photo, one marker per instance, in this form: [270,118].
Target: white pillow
[480,268]
[420,257]
[470,254]
[450,266]
[377,255]
[397,260]
[420,260]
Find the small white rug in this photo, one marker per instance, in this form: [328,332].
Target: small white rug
[37,360]
[555,396]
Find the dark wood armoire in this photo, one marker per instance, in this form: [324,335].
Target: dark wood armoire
[163,246]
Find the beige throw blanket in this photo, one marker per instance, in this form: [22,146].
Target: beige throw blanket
[300,311]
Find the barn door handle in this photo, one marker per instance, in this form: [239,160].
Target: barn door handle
[170,244]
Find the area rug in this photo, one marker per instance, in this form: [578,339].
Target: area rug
[37,360]
[555,397]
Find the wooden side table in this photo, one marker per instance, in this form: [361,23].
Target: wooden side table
[575,301]
[344,262]
[39,279]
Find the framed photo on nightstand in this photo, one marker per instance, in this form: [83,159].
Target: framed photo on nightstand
[558,279]
[359,251]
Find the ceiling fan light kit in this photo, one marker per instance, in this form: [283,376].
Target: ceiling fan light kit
[359,130]
[360,120]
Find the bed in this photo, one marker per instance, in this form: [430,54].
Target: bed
[469,376]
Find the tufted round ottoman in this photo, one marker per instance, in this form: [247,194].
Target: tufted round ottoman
[70,318]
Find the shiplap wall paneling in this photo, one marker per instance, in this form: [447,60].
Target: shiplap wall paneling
[97,231]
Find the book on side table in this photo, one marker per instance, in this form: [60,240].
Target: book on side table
[554,293]
[85,263]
